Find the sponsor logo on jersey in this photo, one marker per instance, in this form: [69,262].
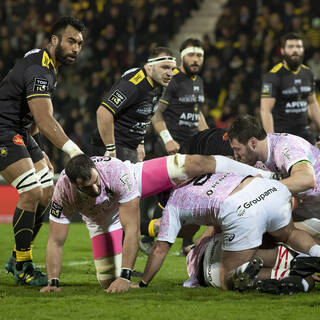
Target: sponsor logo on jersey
[210,191]
[292,90]
[117,98]
[296,106]
[56,209]
[241,211]
[286,152]
[228,237]
[305,89]
[41,85]
[261,197]
[196,88]
[145,109]
[125,181]
[3,151]
[18,140]
[297,81]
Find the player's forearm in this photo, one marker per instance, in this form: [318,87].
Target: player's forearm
[53,131]
[202,123]
[105,123]
[155,260]
[53,259]
[130,248]
[267,121]
[299,183]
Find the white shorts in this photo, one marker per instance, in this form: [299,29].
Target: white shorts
[262,206]
[112,223]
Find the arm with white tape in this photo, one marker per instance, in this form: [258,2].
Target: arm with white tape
[160,127]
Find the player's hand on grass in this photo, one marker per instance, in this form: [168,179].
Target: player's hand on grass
[119,285]
[50,289]
[134,285]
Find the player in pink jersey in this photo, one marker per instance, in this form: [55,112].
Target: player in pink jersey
[243,209]
[295,159]
[104,190]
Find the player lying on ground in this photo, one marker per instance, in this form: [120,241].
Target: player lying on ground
[106,192]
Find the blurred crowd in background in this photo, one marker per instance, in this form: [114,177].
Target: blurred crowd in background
[120,33]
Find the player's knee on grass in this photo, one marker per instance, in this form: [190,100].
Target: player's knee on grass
[108,268]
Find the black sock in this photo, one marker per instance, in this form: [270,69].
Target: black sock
[23,222]
[41,210]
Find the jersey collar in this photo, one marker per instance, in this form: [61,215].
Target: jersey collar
[47,60]
[294,72]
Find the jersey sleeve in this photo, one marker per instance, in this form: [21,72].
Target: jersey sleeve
[168,92]
[269,87]
[288,153]
[39,82]
[59,204]
[120,97]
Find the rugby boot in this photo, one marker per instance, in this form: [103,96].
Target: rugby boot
[304,266]
[286,286]
[244,280]
[30,275]
[11,264]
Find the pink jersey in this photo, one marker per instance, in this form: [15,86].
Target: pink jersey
[285,150]
[199,201]
[117,186]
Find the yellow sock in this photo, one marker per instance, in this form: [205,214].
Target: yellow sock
[24,255]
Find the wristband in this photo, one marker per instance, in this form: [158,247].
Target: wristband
[126,274]
[165,136]
[54,282]
[37,139]
[111,147]
[71,149]
[143,284]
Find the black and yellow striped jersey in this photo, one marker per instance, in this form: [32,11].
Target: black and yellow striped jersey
[291,90]
[131,100]
[34,76]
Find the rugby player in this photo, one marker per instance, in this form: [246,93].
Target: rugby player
[243,208]
[288,95]
[26,108]
[125,114]
[291,157]
[106,191]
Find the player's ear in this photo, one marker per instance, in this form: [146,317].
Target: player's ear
[253,143]
[54,40]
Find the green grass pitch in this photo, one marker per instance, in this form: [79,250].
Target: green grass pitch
[82,298]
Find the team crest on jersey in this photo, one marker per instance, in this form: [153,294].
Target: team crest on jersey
[40,85]
[56,209]
[18,140]
[267,89]
[117,98]
[3,151]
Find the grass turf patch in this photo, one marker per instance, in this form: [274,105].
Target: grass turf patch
[165,298]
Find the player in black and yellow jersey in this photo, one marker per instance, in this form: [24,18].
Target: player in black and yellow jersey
[287,95]
[126,112]
[26,108]
[179,115]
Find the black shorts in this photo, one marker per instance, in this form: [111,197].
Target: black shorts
[16,145]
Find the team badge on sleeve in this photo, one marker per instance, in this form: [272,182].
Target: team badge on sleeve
[55,209]
[40,85]
[117,98]
[267,89]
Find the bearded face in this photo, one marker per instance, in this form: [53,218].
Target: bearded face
[293,53]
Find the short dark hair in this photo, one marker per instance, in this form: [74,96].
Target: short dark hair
[155,52]
[62,24]
[79,167]
[245,127]
[290,36]
[191,42]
